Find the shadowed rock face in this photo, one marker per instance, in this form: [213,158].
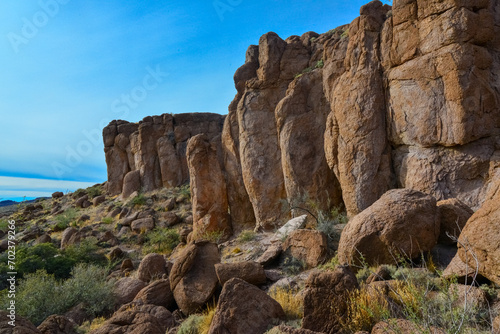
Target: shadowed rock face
[402,97]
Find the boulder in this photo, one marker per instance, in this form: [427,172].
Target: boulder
[468,297]
[98,200]
[70,236]
[23,326]
[126,289]
[137,318]
[308,246]
[131,183]
[402,222]
[208,187]
[290,226]
[80,202]
[271,254]
[152,266]
[326,299]
[126,265]
[157,293]
[57,194]
[478,242]
[168,219]
[453,215]
[193,279]
[43,239]
[58,324]
[142,225]
[249,271]
[244,308]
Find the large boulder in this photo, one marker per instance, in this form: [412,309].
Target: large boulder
[208,187]
[152,266]
[478,242]
[157,293]
[58,324]
[244,309]
[131,183]
[309,246]
[193,279]
[402,326]
[326,299]
[126,289]
[403,222]
[136,318]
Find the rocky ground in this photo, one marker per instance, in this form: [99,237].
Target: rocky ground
[293,280]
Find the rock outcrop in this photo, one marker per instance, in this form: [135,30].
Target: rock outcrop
[402,97]
[156,147]
[478,242]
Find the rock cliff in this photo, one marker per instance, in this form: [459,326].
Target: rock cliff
[406,96]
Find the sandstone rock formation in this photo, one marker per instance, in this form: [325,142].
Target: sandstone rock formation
[453,215]
[208,187]
[156,147]
[402,97]
[478,242]
[244,309]
[402,222]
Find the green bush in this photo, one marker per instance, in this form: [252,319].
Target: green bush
[42,295]
[191,325]
[4,223]
[247,235]
[94,191]
[64,219]
[138,200]
[161,240]
[47,257]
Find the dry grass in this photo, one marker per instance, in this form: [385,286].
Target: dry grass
[366,308]
[289,300]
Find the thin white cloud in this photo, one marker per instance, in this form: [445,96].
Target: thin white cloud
[11,187]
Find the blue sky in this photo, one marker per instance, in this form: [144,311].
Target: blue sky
[68,67]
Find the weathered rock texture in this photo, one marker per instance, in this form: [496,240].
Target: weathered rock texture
[156,147]
[402,222]
[193,279]
[402,97]
[478,242]
[244,309]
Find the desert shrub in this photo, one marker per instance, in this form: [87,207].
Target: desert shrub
[89,285]
[107,220]
[327,222]
[320,64]
[292,265]
[138,200]
[90,326]
[331,264]
[213,236]
[191,325]
[64,219]
[289,301]
[247,235]
[198,323]
[94,191]
[4,223]
[79,193]
[42,294]
[87,251]
[365,309]
[161,240]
